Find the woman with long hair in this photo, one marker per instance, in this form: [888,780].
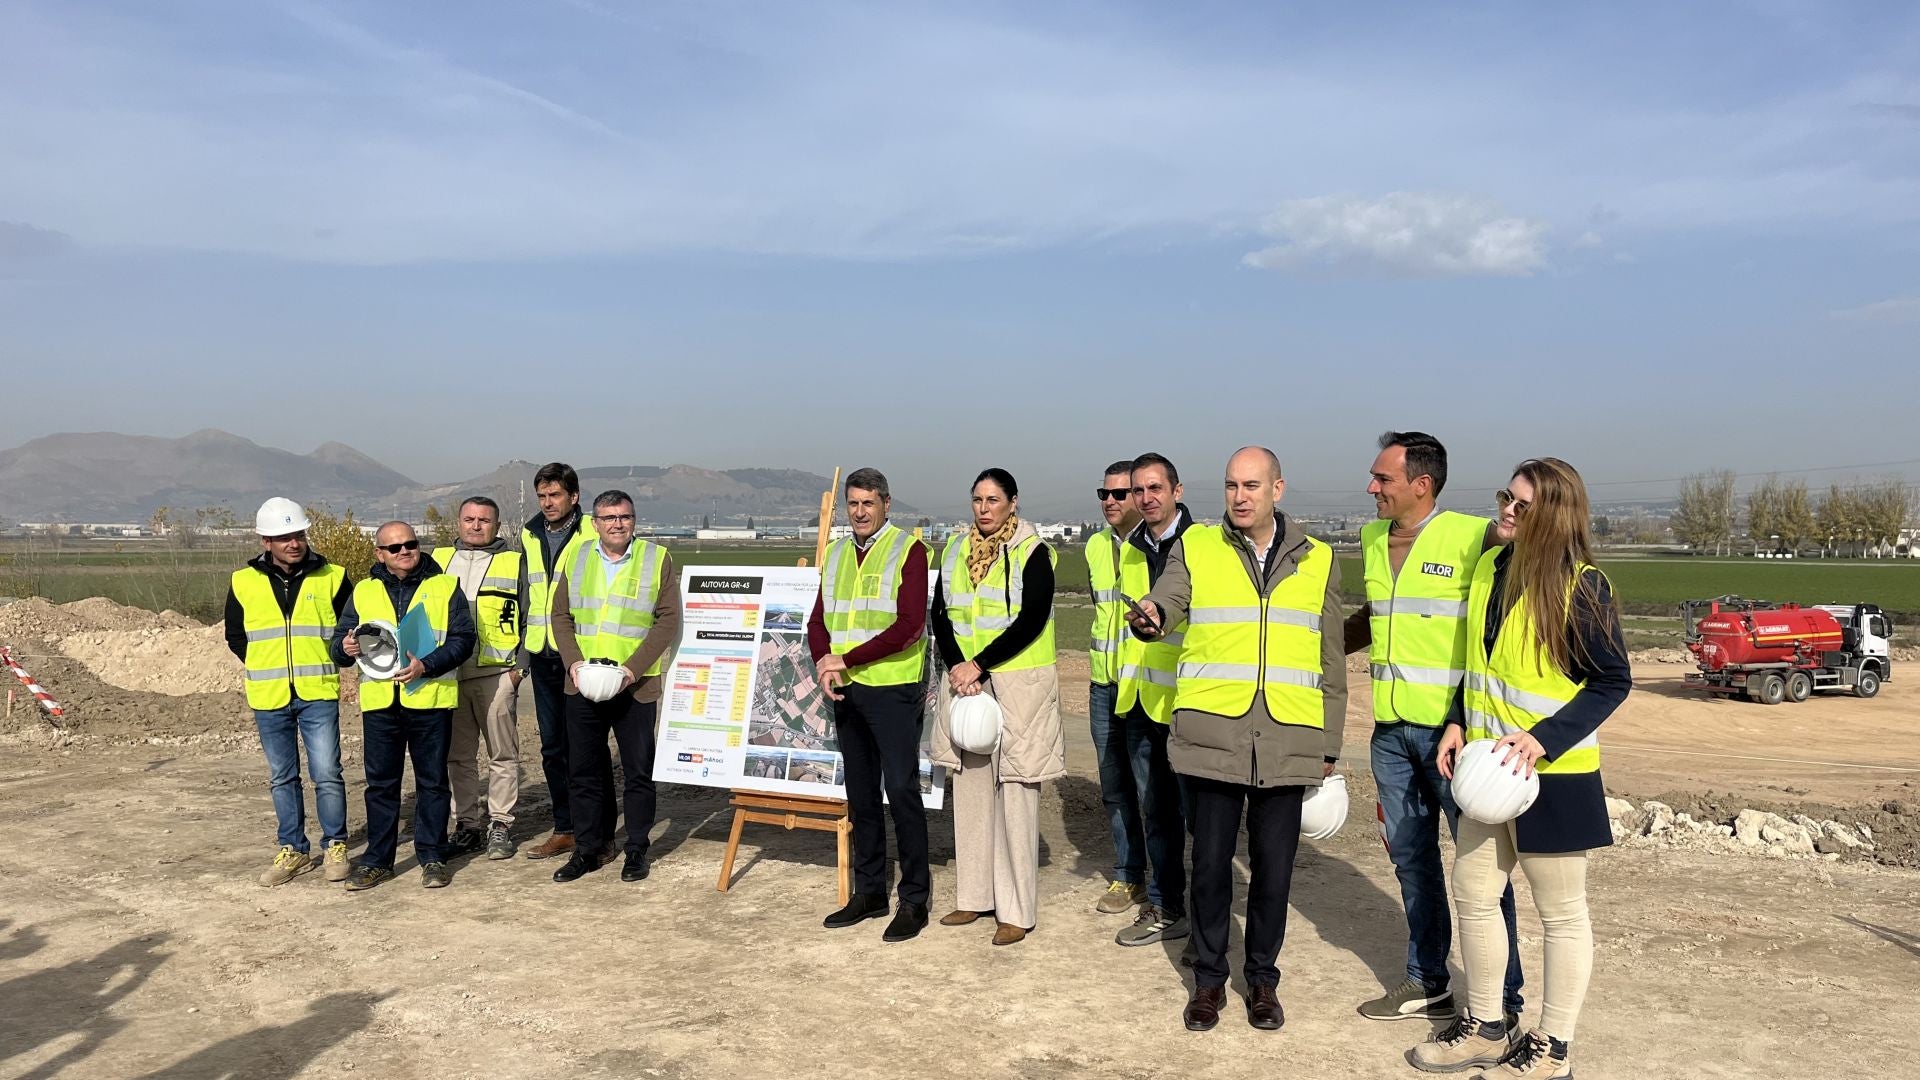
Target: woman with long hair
[1545,667]
[993,623]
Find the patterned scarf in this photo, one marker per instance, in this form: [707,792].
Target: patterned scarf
[983,550]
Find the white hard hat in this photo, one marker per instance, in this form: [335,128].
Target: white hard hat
[278,517]
[1325,810]
[1488,791]
[379,648]
[974,723]
[598,681]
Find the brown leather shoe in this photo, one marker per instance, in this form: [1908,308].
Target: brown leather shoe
[1008,934]
[559,843]
[1203,1009]
[961,917]
[1263,1009]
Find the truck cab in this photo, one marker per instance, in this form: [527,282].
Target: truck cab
[1868,637]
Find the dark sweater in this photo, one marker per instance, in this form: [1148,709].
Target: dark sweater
[461,635]
[1571,812]
[1036,608]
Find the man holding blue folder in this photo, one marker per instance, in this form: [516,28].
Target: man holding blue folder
[410,714]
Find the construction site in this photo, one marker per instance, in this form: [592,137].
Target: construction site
[1754,918]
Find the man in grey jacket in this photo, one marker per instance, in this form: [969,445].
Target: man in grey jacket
[493,578]
[1258,717]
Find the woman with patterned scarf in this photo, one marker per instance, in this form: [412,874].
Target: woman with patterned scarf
[993,624]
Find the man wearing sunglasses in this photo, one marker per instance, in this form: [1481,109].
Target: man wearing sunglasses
[1419,564]
[1129,885]
[281,608]
[410,714]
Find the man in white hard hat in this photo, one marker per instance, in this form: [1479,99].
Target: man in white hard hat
[281,608]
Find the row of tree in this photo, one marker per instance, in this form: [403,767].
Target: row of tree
[1783,516]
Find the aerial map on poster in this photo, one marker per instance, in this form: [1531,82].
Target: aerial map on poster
[742,707]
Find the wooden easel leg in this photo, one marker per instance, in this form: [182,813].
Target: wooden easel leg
[844,827]
[733,849]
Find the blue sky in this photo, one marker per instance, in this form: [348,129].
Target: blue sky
[1649,238]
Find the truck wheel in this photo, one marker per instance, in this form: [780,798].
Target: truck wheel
[1799,687]
[1868,684]
[1773,690]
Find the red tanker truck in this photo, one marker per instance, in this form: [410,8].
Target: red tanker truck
[1771,653]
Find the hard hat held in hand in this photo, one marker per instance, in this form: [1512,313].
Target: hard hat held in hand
[1325,810]
[379,649]
[1488,791]
[279,517]
[973,723]
[598,680]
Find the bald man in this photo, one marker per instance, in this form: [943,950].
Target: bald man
[1258,714]
[410,714]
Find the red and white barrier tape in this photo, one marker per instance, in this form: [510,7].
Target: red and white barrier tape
[45,699]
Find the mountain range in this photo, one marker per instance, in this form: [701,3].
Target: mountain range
[110,477]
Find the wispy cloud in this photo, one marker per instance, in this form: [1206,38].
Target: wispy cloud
[1898,309]
[1404,234]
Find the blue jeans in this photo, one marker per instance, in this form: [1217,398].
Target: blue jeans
[1117,791]
[549,679]
[282,730]
[1413,796]
[1162,799]
[392,736]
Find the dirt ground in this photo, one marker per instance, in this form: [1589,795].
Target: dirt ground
[133,941]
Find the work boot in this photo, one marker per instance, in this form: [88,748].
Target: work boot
[1153,925]
[560,843]
[499,842]
[1411,1000]
[338,865]
[466,839]
[1464,1044]
[287,865]
[1534,1057]
[1120,896]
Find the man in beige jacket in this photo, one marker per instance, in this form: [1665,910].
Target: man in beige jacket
[494,580]
[1258,715]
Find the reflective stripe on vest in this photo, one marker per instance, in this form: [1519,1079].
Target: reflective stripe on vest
[611,617]
[1419,619]
[433,595]
[1517,685]
[980,613]
[859,599]
[1109,614]
[540,581]
[1240,642]
[288,654]
[1148,670]
[496,610]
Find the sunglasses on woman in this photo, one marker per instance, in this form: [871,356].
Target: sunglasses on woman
[395,549]
[1505,498]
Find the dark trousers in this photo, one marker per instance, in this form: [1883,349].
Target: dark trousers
[549,681]
[1273,837]
[392,736]
[879,732]
[1162,797]
[591,782]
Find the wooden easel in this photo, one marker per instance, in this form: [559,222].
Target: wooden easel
[792,812]
[797,811]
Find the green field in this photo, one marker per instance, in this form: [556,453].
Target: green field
[195,582]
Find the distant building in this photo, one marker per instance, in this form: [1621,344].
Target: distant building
[726,534]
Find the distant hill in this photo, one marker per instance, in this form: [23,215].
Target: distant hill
[104,476]
[670,495]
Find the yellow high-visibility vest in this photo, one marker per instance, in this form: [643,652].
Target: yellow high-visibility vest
[859,599]
[1241,642]
[1516,685]
[980,613]
[496,607]
[611,616]
[433,594]
[1149,670]
[288,654]
[1109,615]
[540,581]
[1418,654]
